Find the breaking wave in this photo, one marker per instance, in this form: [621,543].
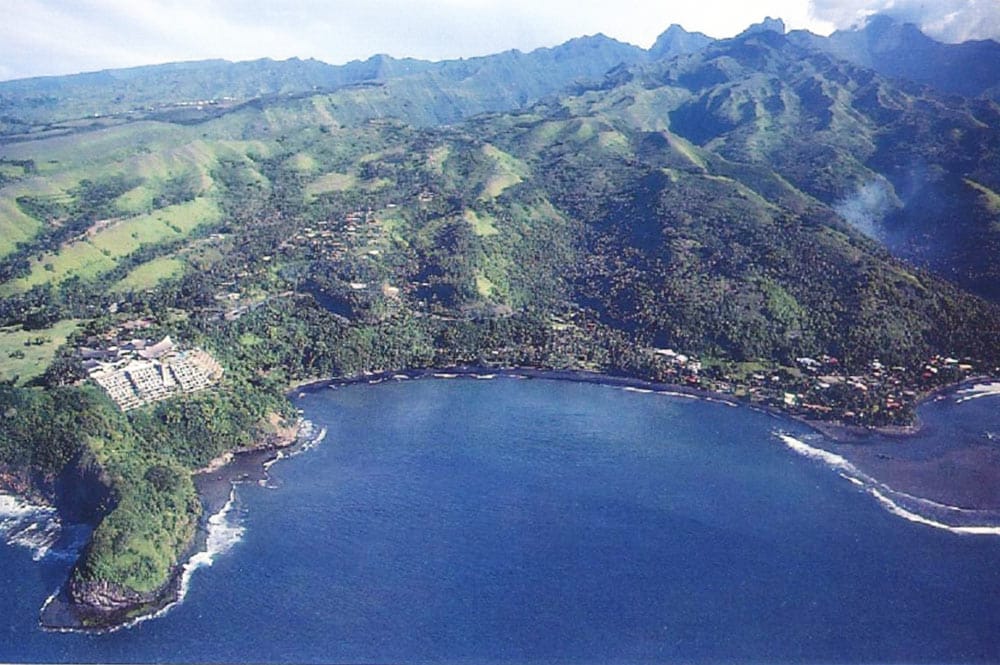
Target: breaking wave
[225,528]
[39,529]
[915,509]
[678,394]
[224,531]
[978,391]
[309,437]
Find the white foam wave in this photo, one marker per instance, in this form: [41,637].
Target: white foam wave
[852,479]
[309,437]
[935,504]
[314,440]
[825,456]
[978,391]
[899,511]
[26,525]
[893,500]
[224,532]
[674,393]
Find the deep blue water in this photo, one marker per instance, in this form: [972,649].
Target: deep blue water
[506,520]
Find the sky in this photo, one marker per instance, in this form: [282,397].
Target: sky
[46,37]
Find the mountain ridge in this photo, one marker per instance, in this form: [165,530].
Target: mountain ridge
[531,75]
[900,50]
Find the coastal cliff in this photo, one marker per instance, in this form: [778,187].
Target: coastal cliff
[102,604]
[81,492]
[110,585]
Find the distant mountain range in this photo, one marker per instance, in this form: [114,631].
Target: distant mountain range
[461,88]
[504,81]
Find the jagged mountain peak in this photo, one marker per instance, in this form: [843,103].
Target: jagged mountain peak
[767,25]
[675,41]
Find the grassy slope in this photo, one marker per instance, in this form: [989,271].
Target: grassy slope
[150,151]
[151,273]
[101,251]
[38,347]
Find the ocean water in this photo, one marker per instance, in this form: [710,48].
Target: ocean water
[541,521]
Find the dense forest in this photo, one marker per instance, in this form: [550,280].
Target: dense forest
[701,219]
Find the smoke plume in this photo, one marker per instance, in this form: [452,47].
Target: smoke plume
[868,206]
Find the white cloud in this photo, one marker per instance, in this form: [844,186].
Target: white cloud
[946,20]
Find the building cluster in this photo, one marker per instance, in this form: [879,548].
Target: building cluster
[141,372]
[825,388]
[335,239]
[680,361]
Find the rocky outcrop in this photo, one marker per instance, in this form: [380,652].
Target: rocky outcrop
[82,492]
[102,597]
[34,486]
[97,605]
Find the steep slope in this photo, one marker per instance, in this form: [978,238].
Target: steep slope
[689,249]
[675,41]
[901,51]
[909,167]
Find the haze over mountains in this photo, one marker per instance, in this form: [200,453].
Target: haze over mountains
[889,47]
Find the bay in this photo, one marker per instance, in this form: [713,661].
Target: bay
[536,521]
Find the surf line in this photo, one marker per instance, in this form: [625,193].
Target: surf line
[224,532]
[978,391]
[27,525]
[881,492]
[899,511]
[224,528]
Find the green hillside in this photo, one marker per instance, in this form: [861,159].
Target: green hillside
[731,219]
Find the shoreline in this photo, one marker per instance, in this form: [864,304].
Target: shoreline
[481,372]
[216,482]
[842,432]
[833,429]
[929,472]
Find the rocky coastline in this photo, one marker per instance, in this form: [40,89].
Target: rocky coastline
[100,607]
[82,493]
